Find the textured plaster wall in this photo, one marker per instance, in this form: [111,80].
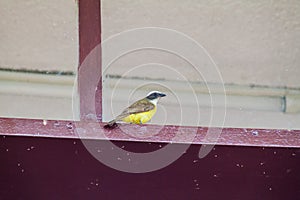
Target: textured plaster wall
[39,34]
[252,42]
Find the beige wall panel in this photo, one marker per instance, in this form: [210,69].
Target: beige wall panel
[35,107]
[40,96]
[40,35]
[252,42]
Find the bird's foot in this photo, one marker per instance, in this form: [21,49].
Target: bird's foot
[111,126]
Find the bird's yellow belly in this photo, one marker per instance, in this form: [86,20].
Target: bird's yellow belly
[140,118]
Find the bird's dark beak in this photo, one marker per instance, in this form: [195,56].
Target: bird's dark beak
[162,95]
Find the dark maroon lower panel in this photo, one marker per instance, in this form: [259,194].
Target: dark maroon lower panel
[49,168]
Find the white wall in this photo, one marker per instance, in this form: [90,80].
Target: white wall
[252,42]
[40,35]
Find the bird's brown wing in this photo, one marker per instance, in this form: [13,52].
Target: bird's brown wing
[142,105]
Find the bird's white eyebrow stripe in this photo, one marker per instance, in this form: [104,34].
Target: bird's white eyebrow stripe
[154,92]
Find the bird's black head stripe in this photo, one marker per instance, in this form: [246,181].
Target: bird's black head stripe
[152,96]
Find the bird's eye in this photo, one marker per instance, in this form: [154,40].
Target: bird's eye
[152,96]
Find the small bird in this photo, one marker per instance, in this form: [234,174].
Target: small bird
[139,112]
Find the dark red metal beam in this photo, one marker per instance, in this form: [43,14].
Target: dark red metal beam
[89,70]
[89,27]
[165,134]
[60,168]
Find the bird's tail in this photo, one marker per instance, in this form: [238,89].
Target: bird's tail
[112,124]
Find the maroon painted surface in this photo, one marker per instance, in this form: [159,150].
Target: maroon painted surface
[54,164]
[89,70]
[89,26]
[94,130]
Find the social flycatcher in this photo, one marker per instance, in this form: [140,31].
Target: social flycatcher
[140,111]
